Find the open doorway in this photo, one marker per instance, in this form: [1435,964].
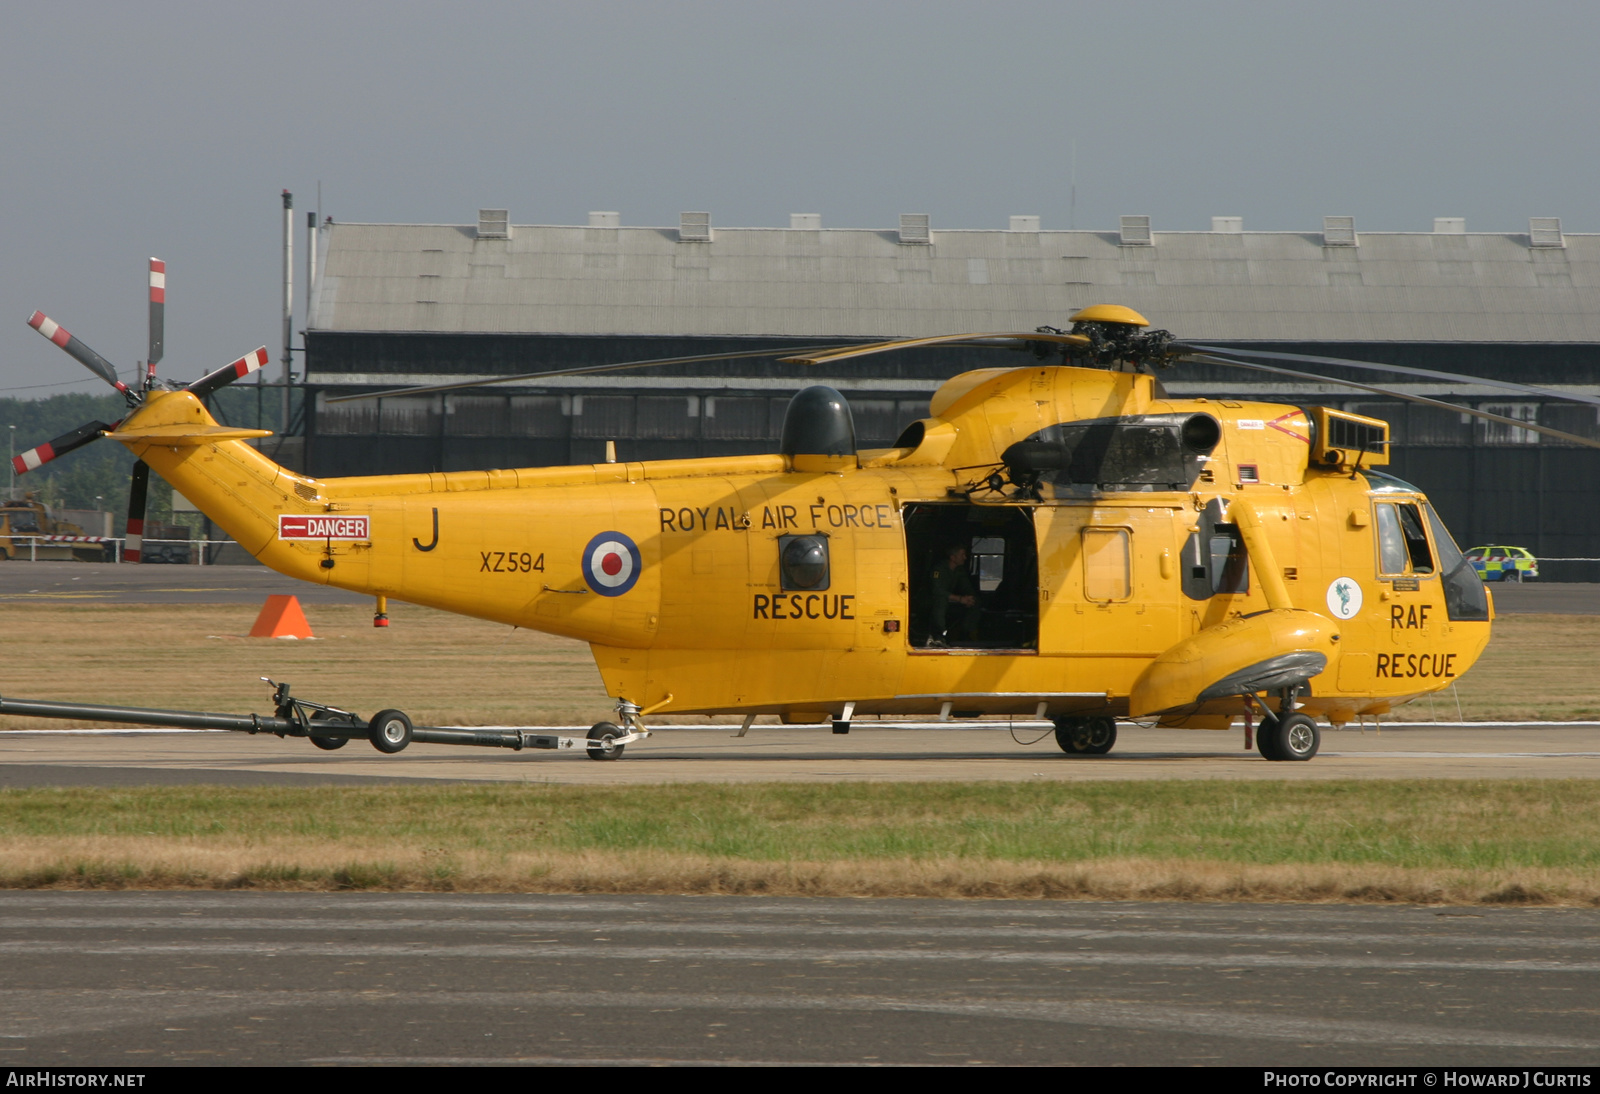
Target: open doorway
[974,577]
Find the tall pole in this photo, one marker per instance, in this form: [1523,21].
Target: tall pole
[288,301]
[311,259]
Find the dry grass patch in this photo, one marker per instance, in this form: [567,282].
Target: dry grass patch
[1497,842]
[439,668]
[1536,666]
[445,669]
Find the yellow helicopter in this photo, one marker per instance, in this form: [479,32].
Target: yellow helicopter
[1056,539]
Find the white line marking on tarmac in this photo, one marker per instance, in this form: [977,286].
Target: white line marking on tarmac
[819,954]
[1018,933]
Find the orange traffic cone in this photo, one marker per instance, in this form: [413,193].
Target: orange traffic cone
[281,617]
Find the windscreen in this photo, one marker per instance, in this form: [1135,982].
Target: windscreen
[1464,597]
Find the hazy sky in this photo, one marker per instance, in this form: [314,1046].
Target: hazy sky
[165,129]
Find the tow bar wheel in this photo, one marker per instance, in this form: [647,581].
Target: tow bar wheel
[327,744]
[601,736]
[390,730]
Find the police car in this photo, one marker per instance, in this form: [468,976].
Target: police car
[1503,563]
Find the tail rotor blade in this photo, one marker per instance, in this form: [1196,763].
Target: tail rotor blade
[85,356]
[158,310]
[133,545]
[37,457]
[227,374]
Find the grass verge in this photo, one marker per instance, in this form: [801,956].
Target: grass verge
[1505,842]
[448,670]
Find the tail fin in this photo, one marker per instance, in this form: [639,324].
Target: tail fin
[231,482]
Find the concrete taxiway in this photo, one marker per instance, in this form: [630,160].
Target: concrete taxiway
[141,980]
[677,754]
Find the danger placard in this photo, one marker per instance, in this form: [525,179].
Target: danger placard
[324,526]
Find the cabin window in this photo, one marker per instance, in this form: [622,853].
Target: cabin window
[1107,569]
[1402,541]
[989,562]
[1214,558]
[803,563]
[1230,567]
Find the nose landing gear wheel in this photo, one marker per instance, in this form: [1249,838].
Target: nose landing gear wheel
[601,736]
[1086,736]
[391,731]
[1293,737]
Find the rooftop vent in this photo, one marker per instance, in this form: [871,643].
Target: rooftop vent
[811,221]
[694,227]
[494,224]
[1024,224]
[1136,232]
[605,220]
[1545,232]
[915,228]
[1450,226]
[1339,231]
[1227,224]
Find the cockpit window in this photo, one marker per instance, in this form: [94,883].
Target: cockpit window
[1417,551]
[1464,596]
[1402,542]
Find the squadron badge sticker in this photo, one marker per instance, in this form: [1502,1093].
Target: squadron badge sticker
[1344,597]
[611,564]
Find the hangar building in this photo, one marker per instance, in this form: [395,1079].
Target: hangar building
[408,304]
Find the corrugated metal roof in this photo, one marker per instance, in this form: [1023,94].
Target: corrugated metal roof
[1226,286]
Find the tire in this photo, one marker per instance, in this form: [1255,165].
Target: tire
[1513,575]
[601,734]
[1071,734]
[390,731]
[1296,737]
[1102,736]
[1267,742]
[1086,736]
[327,744]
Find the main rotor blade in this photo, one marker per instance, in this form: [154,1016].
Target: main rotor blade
[227,374]
[586,370]
[1007,340]
[158,310]
[85,356]
[1531,427]
[44,453]
[1404,370]
[138,491]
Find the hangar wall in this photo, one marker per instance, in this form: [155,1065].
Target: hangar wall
[411,304]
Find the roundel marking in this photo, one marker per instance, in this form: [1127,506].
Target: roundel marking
[611,564]
[1344,597]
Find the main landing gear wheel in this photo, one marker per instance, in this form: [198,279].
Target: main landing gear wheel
[390,730]
[1086,736]
[601,736]
[1292,737]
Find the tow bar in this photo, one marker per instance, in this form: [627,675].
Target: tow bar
[329,727]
